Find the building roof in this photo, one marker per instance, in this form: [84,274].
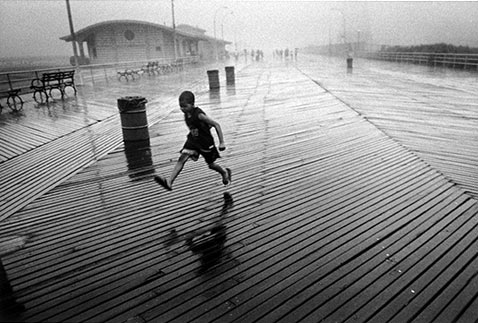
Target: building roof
[82,33]
[199,32]
[191,29]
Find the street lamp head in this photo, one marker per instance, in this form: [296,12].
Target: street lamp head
[227,14]
[217,10]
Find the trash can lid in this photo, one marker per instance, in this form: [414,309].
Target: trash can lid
[133,99]
[131,102]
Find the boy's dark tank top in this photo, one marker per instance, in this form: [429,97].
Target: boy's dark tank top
[199,131]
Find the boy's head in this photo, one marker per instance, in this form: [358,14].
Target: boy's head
[186,100]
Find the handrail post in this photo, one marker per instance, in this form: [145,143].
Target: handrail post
[92,76]
[9,82]
[106,76]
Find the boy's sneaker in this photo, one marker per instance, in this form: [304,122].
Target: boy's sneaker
[228,180]
[163,182]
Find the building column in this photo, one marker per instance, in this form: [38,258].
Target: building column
[82,52]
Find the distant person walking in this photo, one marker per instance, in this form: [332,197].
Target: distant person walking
[199,142]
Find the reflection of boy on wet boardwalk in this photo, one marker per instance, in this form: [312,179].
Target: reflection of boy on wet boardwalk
[199,142]
[209,243]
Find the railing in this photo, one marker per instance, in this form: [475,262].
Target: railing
[21,79]
[463,61]
[105,72]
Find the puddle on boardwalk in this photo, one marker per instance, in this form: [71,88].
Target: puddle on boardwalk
[215,96]
[139,159]
[207,243]
[231,90]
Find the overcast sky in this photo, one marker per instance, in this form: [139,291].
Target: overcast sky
[33,27]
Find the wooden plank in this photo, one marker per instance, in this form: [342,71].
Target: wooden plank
[440,116]
[401,269]
[431,288]
[295,272]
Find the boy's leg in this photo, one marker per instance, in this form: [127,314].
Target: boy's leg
[210,157]
[168,183]
[183,158]
[225,173]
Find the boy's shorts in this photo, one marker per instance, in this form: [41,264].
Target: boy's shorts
[210,155]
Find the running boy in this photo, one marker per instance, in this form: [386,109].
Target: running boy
[199,142]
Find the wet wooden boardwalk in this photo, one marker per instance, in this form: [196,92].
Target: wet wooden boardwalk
[329,218]
[432,112]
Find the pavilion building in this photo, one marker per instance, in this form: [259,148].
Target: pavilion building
[132,40]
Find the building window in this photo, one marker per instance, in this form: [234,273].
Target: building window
[158,48]
[129,35]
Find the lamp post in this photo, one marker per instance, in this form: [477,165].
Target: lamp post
[222,23]
[72,32]
[358,40]
[215,38]
[73,40]
[330,49]
[343,22]
[174,30]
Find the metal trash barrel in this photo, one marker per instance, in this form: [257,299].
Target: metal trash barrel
[230,77]
[134,122]
[350,62]
[213,76]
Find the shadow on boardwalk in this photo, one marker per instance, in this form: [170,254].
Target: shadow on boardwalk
[333,219]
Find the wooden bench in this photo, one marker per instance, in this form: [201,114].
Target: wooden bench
[133,73]
[50,81]
[153,68]
[14,101]
[178,65]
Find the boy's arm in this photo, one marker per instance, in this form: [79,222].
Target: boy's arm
[216,126]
